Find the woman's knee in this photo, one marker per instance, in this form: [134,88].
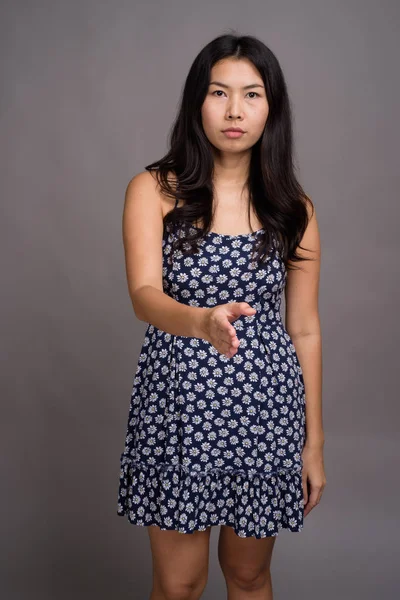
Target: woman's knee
[248,578]
[182,588]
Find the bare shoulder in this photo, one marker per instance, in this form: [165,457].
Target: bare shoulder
[146,183]
[141,182]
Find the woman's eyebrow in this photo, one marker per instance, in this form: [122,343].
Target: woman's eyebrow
[246,87]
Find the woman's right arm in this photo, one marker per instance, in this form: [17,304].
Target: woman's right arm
[142,228]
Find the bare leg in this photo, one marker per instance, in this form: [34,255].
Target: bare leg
[245,563]
[180,563]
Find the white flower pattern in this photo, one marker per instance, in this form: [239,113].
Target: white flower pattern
[214,440]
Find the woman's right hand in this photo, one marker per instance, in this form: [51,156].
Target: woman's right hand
[217,329]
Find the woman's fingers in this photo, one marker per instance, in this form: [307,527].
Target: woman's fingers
[230,338]
[231,345]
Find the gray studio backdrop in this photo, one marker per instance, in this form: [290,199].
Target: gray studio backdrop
[89,90]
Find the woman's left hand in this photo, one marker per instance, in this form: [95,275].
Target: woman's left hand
[313,476]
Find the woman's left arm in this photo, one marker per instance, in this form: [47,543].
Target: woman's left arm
[303,325]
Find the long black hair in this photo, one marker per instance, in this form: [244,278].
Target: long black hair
[279,200]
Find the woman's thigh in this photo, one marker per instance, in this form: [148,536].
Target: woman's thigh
[244,559]
[180,561]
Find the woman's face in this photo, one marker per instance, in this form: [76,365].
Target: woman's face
[229,104]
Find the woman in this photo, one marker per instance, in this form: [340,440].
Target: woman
[218,431]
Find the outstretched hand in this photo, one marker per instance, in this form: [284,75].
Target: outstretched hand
[218,329]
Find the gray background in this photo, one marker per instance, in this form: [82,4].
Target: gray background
[89,90]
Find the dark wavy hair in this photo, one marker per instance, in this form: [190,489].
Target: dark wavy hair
[279,200]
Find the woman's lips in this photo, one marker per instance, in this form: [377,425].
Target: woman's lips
[233,134]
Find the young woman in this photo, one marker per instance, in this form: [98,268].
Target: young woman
[225,422]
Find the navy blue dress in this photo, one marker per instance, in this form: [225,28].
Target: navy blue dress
[214,440]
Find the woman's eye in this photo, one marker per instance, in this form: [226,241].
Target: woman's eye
[216,91]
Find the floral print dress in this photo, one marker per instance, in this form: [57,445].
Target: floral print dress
[213,440]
